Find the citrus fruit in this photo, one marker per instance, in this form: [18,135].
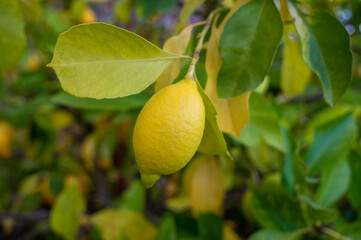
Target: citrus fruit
[168,130]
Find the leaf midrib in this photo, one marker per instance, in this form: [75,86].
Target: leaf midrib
[118,61]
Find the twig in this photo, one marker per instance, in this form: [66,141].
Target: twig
[334,234]
[33,216]
[195,57]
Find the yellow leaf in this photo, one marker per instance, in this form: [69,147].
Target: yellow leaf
[188,9]
[113,223]
[176,44]
[232,114]
[229,233]
[206,189]
[295,73]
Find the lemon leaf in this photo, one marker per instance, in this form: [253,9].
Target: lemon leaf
[212,141]
[325,49]
[12,40]
[66,211]
[295,73]
[113,223]
[246,58]
[177,45]
[99,60]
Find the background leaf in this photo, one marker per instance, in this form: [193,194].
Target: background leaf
[168,230]
[263,125]
[112,223]
[134,197]
[145,8]
[117,64]
[334,183]
[325,49]
[65,214]
[246,56]
[189,7]
[12,40]
[210,226]
[331,142]
[354,191]
[275,208]
[266,234]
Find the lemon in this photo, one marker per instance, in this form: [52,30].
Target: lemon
[168,130]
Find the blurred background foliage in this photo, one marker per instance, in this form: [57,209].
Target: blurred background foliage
[67,168]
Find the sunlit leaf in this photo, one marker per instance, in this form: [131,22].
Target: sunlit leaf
[69,206]
[12,40]
[177,45]
[99,60]
[245,54]
[112,223]
[295,73]
[325,49]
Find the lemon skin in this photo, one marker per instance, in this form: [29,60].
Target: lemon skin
[168,130]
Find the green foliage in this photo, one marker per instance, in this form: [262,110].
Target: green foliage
[325,49]
[12,40]
[66,213]
[266,234]
[210,226]
[248,44]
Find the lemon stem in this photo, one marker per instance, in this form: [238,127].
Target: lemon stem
[195,57]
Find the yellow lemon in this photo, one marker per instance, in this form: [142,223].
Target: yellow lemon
[168,130]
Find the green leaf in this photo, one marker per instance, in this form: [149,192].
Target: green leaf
[66,211]
[145,8]
[168,230]
[275,208]
[12,40]
[354,191]
[117,104]
[212,141]
[99,60]
[325,49]
[210,226]
[318,213]
[247,46]
[263,125]
[266,234]
[294,169]
[134,197]
[334,183]
[331,142]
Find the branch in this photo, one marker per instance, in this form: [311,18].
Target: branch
[29,217]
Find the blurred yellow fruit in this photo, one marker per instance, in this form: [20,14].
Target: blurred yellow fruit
[6,139]
[206,185]
[88,16]
[168,130]
[34,63]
